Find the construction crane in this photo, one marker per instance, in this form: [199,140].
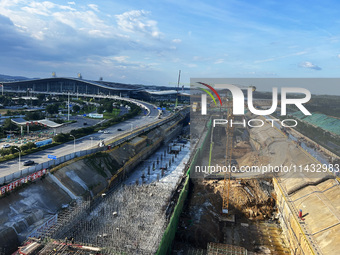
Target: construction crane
[177,94]
[229,152]
[228,158]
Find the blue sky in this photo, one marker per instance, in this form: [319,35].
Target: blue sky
[147,42]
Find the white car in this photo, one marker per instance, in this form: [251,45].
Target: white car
[5,146]
[106,132]
[100,131]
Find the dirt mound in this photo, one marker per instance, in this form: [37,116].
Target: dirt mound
[200,222]
[252,159]
[252,198]
[241,149]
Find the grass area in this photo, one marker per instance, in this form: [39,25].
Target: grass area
[111,115]
[27,152]
[89,109]
[3,111]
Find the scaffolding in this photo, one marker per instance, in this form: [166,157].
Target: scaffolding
[127,219]
[130,220]
[225,249]
[58,247]
[66,221]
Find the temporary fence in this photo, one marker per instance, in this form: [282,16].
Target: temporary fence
[19,182]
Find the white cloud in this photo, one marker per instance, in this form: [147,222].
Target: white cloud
[44,8]
[124,62]
[281,57]
[191,65]
[47,20]
[137,21]
[71,3]
[176,40]
[86,22]
[120,59]
[310,65]
[338,55]
[219,61]
[93,7]
[39,8]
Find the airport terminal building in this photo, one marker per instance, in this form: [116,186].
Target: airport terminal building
[80,86]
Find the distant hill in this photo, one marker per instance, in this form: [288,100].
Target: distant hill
[12,78]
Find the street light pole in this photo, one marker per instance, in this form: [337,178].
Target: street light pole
[91,141]
[68,105]
[74,143]
[131,126]
[19,159]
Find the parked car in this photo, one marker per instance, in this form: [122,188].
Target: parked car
[119,129]
[28,163]
[106,132]
[100,131]
[5,146]
[85,123]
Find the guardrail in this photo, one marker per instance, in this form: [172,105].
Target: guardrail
[27,171]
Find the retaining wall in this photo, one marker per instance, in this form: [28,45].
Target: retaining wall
[170,231]
[298,241]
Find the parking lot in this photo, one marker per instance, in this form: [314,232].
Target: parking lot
[40,135]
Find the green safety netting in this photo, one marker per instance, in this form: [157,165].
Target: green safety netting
[323,121]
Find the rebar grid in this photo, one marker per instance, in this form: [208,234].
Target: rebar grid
[225,249]
[131,218]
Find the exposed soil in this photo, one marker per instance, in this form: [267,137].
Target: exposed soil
[252,203]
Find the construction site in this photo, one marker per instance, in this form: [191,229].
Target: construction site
[176,200]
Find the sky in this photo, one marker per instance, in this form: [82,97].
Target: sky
[148,42]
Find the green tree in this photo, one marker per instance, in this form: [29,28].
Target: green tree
[100,109]
[108,107]
[34,115]
[2,133]
[52,108]
[41,97]
[61,138]
[9,125]
[76,108]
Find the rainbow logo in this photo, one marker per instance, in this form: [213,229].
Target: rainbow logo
[204,97]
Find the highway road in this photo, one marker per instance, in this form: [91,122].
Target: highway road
[11,166]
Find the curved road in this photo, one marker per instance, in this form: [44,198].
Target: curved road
[86,142]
